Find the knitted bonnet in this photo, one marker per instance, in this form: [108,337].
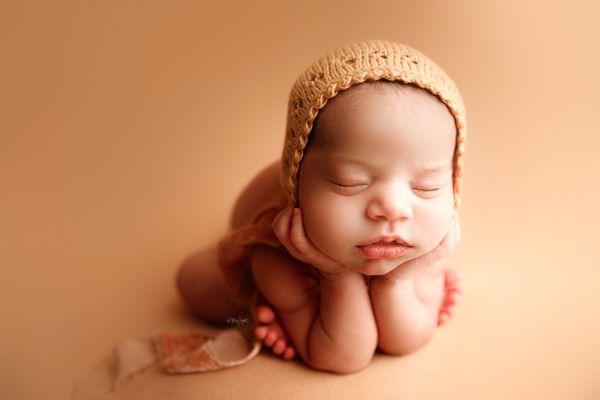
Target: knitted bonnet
[351,65]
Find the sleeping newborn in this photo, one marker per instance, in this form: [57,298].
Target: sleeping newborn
[340,247]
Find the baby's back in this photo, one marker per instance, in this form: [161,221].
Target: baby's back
[264,190]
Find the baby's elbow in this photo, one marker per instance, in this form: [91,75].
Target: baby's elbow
[346,361]
[401,346]
[402,349]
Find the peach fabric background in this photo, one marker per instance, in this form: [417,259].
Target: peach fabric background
[127,129]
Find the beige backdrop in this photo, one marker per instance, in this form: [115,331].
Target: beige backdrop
[128,128]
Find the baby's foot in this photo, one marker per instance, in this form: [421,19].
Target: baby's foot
[271,333]
[452,291]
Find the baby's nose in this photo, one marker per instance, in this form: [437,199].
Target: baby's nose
[391,205]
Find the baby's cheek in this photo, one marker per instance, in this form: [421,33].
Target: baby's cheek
[321,215]
[326,223]
[434,223]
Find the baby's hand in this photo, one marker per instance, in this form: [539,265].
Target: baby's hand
[288,227]
[441,251]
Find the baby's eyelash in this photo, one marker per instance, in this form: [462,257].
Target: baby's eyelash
[349,186]
[360,185]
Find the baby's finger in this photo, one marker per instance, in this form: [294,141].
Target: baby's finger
[282,231]
[297,235]
[276,220]
[440,251]
[304,245]
[279,223]
[450,241]
[301,242]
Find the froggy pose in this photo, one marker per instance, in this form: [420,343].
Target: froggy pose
[370,219]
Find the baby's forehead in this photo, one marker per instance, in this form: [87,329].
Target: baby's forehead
[407,97]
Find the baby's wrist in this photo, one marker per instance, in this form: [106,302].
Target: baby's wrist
[393,278]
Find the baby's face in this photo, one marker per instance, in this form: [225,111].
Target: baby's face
[380,164]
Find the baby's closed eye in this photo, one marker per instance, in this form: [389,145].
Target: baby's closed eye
[430,190]
[426,190]
[348,184]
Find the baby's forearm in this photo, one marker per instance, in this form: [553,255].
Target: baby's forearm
[330,322]
[404,322]
[343,337]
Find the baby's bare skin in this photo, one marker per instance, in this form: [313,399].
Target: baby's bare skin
[392,134]
[318,303]
[330,323]
[272,333]
[407,304]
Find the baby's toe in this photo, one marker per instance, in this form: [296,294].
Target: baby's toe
[261,331]
[279,346]
[272,336]
[265,314]
[289,353]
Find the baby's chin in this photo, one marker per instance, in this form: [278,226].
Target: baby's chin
[378,267]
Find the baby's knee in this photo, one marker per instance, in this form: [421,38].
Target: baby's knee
[201,287]
[189,273]
[187,280]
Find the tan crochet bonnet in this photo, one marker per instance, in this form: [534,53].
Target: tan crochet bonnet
[353,64]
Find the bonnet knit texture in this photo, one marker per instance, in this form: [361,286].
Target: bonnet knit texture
[353,64]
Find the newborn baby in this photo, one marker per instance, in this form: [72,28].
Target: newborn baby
[363,218]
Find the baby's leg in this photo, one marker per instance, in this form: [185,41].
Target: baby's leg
[202,287]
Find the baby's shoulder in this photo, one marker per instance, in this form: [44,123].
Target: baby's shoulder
[263,190]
